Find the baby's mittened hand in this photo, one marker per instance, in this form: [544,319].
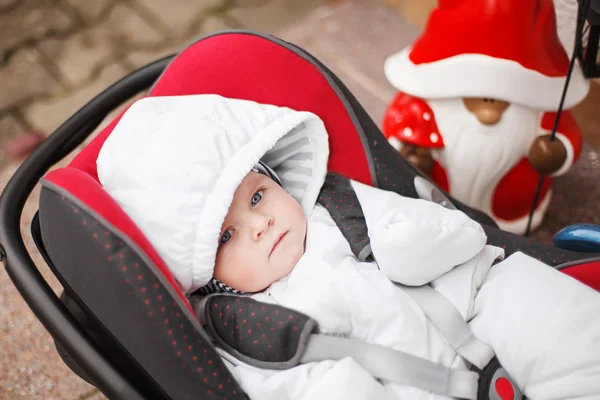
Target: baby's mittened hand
[546,156]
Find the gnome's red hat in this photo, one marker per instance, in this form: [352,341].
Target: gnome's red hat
[504,49]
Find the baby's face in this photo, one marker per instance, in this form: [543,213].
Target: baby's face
[262,237]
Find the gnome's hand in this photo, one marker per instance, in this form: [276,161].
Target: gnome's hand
[418,156]
[546,156]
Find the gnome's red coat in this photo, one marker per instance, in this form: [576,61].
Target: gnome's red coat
[514,194]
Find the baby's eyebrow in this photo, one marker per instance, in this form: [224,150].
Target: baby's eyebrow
[254,188]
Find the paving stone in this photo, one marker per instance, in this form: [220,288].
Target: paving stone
[92,11]
[138,59]
[272,16]
[120,31]
[50,114]
[587,115]
[6,5]
[366,50]
[10,128]
[213,24]
[576,196]
[183,15]
[126,30]
[78,58]
[415,11]
[29,20]
[25,78]
[208,25]
[250,3]
[331,35]
[354,80]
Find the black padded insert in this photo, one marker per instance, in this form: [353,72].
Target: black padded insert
[141,313]
[261,334]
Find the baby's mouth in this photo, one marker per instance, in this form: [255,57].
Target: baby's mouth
[279,239]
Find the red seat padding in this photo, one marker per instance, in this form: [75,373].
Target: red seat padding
[233,65]
[588,273]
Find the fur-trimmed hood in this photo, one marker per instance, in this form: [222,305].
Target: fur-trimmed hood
[174,163]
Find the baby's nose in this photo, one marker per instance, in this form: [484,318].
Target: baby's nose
[261,224]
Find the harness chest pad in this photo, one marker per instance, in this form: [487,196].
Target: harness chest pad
[260,334]
[340,200]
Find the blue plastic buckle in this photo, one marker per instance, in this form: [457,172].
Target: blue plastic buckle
[584,238]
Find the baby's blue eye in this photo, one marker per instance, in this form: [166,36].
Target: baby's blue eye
[257,198]
[226,236]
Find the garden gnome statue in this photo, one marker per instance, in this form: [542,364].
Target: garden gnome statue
[477,101]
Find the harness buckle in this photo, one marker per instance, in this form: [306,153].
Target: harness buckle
[496,384]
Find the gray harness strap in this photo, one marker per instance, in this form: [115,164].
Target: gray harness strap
[340,200]
[451,325]
[395,366]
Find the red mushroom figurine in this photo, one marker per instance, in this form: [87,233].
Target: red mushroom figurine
[409,120]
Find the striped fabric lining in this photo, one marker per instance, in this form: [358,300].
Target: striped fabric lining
[292,160]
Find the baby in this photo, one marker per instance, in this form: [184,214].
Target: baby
[192,173]
[263,235]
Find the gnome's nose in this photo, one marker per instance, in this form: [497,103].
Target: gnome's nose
[488,111]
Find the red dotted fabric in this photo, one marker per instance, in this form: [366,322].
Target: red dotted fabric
[257,331]
[117,286]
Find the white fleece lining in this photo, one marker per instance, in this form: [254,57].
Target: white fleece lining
[478,75]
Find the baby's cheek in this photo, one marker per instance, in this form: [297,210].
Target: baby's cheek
[225,266]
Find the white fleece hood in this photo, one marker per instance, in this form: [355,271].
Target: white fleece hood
[173,164]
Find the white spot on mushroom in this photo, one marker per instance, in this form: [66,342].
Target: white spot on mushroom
[407,132]
[434,137]
[426,116]
[395,143]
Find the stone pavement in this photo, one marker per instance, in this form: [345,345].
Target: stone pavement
[58,54]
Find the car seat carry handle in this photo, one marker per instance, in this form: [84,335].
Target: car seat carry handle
[349,218]
[450,323]
[393,365]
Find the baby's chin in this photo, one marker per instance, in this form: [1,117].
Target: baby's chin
[284,267]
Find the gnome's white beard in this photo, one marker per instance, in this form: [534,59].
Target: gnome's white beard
[477,156]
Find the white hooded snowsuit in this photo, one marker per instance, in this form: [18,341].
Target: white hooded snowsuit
[173,164]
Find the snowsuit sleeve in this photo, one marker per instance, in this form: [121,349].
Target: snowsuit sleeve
[415,241]
[343,379]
